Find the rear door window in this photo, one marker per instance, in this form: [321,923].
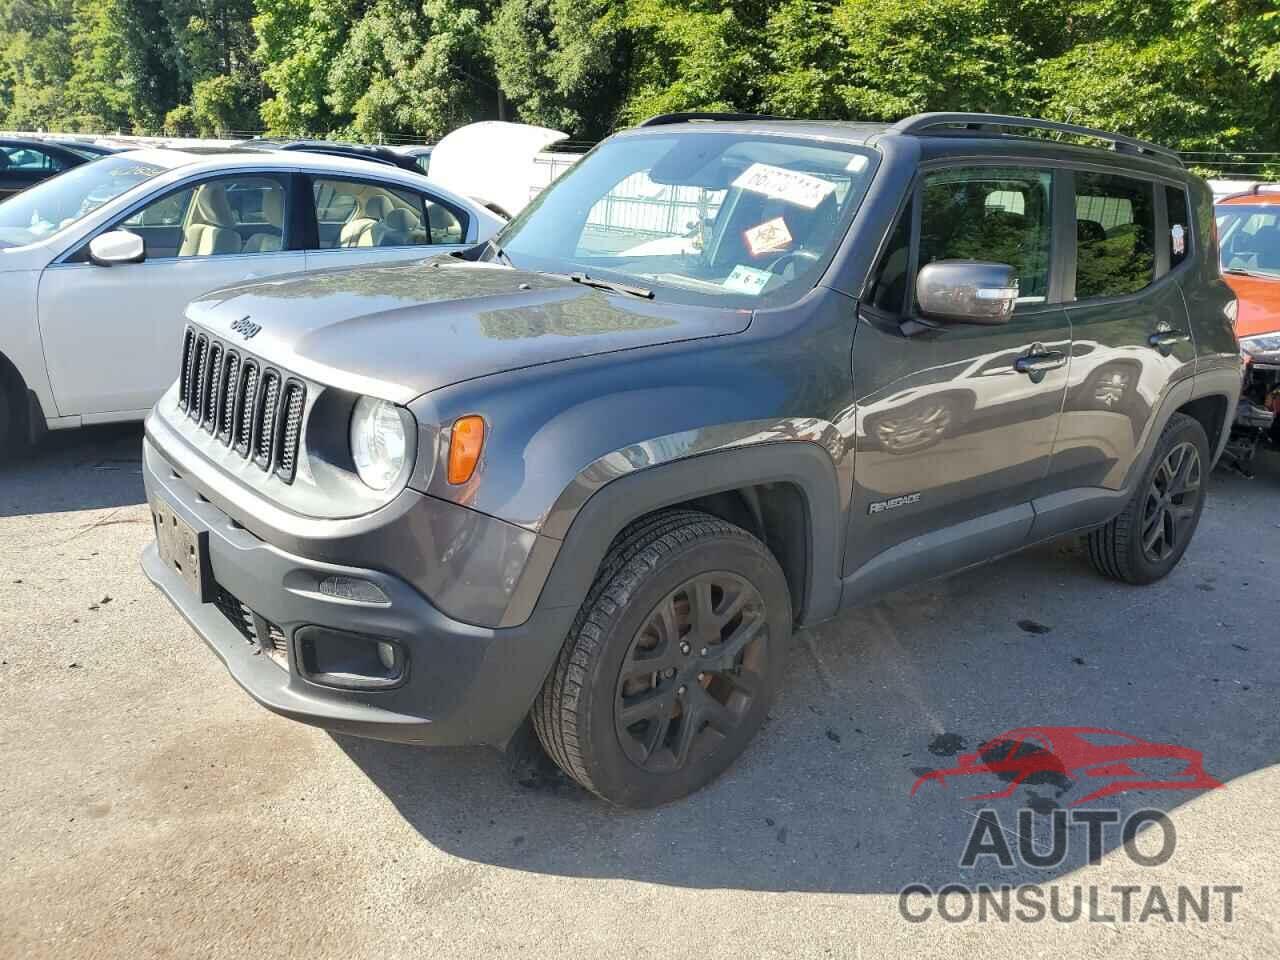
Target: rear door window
[1115,235]
[31,160]
[355,214]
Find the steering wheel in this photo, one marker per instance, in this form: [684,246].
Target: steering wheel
[792,255]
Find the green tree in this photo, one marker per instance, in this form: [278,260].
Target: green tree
[35,46]
[412,68]
[561,63]
[704,55]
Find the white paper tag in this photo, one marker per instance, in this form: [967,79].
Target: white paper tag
[1179,239]
[747,280]
[857,163]
[781,184]
[768,237]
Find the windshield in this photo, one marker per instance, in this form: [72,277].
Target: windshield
[1249,238]
[56,204]
[719,218]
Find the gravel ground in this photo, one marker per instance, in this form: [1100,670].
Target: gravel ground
[151,809]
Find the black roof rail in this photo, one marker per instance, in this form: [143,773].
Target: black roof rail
[923,123]
[663,119]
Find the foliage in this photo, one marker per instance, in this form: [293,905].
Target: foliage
[1197,74]
[561,63]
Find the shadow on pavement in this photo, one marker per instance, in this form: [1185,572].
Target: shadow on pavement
[87,469]
[821,800]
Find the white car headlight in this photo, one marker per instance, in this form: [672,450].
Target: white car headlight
[1261,344]
[379,444]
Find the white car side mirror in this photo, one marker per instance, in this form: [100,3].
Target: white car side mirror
[117,246]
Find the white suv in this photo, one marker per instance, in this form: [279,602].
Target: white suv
[96,265]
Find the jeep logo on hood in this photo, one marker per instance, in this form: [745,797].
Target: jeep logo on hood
[245,327]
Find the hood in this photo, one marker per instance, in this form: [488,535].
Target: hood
[28,257]
[493,162]
[1259,309]
[399,331]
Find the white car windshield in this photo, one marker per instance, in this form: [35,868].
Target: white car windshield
[1249,238]
[52,206]
[720,218]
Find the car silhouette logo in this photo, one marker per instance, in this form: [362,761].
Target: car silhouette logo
[1066,756]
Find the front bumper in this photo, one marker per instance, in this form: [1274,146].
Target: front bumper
[463,684]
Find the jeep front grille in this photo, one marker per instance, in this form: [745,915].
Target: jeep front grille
[294,398]
[252,408]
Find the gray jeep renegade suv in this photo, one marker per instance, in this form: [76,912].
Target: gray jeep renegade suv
[728,376]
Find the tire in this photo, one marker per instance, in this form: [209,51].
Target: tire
[640,710]
[12,439]
[1150,535]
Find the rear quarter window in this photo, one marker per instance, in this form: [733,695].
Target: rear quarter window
[1179,217]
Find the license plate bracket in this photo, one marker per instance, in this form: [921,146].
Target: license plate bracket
[183,549]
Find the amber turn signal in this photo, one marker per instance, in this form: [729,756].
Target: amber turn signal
[465,442]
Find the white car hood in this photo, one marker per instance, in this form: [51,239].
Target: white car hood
[29,257]
[492,161]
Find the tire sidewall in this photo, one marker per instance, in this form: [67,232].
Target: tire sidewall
[615,776]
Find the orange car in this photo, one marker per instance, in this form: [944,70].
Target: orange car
[1249,241]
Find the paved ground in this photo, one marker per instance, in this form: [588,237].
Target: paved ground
[150,809]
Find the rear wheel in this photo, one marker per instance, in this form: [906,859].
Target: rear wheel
[672,662]
[1148,538]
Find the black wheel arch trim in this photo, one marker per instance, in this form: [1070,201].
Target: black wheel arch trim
[805,465]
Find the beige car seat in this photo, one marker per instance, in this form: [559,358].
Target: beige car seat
[404,228]
[210,227]
[367,228]
[444,225]
[273,211]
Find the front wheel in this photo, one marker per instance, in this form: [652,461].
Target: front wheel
[1148,538]
[672,662]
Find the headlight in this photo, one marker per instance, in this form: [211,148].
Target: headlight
[378,442]
[1262,344]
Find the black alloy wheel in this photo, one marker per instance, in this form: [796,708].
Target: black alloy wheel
[1147,539]
[691,676]
[1172,500]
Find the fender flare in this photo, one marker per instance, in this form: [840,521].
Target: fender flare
[572,563]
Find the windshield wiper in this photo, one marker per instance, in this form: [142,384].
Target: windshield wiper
[1242,272]
[596,282]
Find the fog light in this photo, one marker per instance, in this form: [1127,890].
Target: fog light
[353,589]
[336,658]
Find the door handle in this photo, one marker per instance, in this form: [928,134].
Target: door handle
[1164,340]
[1036,365]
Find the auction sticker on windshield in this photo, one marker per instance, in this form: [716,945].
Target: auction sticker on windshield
[782,184]
[768,237]
[747,280]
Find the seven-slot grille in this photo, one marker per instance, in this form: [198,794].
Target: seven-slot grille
[251,408]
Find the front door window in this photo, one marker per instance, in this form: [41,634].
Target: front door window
[232,215]
[993,214]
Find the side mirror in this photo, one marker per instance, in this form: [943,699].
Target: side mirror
[116,246]
[967,291]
